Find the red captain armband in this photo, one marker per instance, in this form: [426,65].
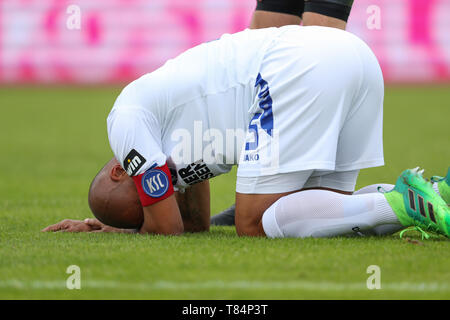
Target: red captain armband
[154,185]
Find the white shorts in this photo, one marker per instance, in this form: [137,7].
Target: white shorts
[319,108]
[293,181]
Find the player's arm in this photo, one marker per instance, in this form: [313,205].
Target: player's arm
[163,217]
[135,138]
[156,193]
[194,205]
[168,212]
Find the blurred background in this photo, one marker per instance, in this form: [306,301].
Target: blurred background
[115,41]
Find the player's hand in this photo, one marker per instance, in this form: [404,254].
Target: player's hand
[69,225]
[97,226]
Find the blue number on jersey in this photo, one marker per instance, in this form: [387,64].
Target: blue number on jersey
[265,104]
[266,117]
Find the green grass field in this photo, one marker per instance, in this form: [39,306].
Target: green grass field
[53,141]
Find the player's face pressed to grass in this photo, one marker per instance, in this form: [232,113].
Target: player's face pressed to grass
[113,198]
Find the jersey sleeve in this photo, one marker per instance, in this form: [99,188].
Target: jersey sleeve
[135,138]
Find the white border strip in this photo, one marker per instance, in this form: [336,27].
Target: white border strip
[237,285]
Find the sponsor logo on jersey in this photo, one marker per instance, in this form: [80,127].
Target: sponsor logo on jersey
[155,183]
[133,162]
[195,172]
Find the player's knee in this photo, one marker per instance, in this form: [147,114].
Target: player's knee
[248,224]
[248,230]
[250,209]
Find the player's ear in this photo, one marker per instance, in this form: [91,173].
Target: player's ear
[117,173]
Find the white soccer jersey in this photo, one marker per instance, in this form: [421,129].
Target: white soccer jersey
[179,112]
[274,101]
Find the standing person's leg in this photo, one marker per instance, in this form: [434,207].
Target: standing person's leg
[277,13]
[327,13]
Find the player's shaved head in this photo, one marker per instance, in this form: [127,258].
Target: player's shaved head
[113,198]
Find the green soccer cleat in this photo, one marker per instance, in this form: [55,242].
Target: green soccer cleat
[443,186]
[417,205]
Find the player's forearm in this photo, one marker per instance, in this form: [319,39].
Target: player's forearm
[124,230]
[162,218]
[194,206]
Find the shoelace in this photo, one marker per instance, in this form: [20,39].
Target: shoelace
[423,233]
[416,228]
[436,179]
